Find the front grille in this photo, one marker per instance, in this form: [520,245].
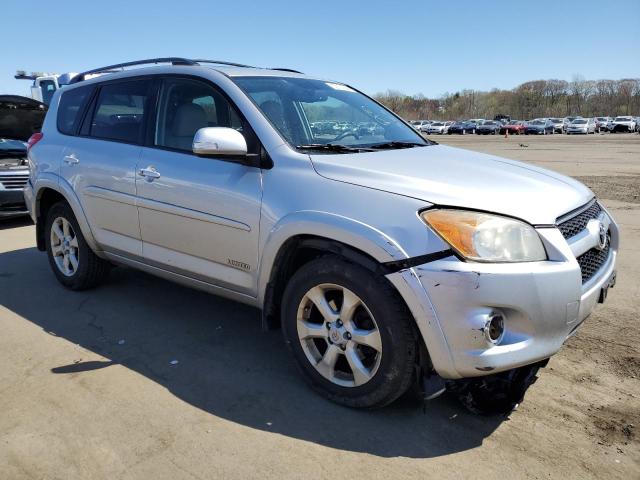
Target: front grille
[14,182]
[576,224]
[591,261]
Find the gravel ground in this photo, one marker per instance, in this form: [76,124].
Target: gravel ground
[88,389]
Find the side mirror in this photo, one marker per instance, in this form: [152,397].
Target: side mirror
[219,141]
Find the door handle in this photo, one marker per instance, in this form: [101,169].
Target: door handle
[71,159]
[150,173]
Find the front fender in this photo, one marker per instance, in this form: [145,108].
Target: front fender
[334,227]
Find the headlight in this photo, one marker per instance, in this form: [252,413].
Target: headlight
[486,238]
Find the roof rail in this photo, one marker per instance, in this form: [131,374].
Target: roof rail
[110,68]
[219,62]
[173,60]
[286,70]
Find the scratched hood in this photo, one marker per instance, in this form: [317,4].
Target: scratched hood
[460,178]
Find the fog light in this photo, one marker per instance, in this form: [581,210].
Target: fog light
[494,327]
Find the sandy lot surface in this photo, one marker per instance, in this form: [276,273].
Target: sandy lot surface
[87,389]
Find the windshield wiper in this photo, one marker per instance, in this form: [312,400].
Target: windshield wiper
[385,145]
[334,147]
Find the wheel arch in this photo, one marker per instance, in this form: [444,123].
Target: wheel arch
[304,236]
[50,191]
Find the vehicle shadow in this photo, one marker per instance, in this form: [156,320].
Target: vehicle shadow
[15,222]
[225,365]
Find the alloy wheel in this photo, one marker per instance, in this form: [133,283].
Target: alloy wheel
[64,246]
[339,335]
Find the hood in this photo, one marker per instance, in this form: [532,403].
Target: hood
[20,117]
[454,177]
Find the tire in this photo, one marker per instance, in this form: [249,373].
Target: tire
[464,132]
[389,371]
[89,270]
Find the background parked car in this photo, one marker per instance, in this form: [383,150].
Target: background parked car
[582,125]
[513,127]
[436,128]
[20,117]
[624,124]
[418,124]
[602,124]
[489,127]
[462,128]
[539,126]
[447,125]
[558,125]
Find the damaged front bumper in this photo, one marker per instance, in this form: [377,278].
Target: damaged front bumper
[542,304]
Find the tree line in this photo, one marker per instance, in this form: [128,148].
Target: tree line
[538,98]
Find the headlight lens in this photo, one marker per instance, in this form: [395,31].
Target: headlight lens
[486,238]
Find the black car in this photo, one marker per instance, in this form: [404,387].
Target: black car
[540,126]
[490,127]
[20,117]
[462,128]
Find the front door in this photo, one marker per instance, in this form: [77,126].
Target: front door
[198,216]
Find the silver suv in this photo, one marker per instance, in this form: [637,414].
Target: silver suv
[386,259]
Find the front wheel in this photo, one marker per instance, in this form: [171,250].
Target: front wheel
[72,260]
[350,333]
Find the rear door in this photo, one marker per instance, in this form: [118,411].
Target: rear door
[100,162]
[198,216]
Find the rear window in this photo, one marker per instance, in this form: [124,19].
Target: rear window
[69,108]
[119,112]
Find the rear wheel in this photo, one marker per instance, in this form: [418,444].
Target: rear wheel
[350,333]
[72,260]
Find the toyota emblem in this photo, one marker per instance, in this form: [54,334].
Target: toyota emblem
[603,237]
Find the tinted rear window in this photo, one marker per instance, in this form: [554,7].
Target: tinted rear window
[120,110]
[71,103]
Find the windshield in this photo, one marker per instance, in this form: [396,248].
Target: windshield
[437,124]
[310,112]
[623,119]
[489,123]
[537,122]
[576,122]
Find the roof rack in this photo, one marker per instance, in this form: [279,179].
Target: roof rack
[286,70]
[109,69]
[218,62]
[172,60]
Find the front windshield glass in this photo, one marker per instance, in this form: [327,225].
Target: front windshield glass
[622,119]
[537,122]
[579,122]
[314,112]
[437,124]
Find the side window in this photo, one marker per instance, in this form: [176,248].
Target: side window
[185,107]
[120,111]
[69,109]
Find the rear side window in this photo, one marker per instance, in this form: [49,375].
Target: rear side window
[69,109]
[120,111]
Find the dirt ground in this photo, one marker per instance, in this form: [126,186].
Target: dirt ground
[88,389]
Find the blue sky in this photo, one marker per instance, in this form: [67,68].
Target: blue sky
[414,47]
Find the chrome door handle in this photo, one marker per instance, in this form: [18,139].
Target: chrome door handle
[71,159]
[150,173]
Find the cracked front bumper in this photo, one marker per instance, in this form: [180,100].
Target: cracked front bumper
[543,304]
